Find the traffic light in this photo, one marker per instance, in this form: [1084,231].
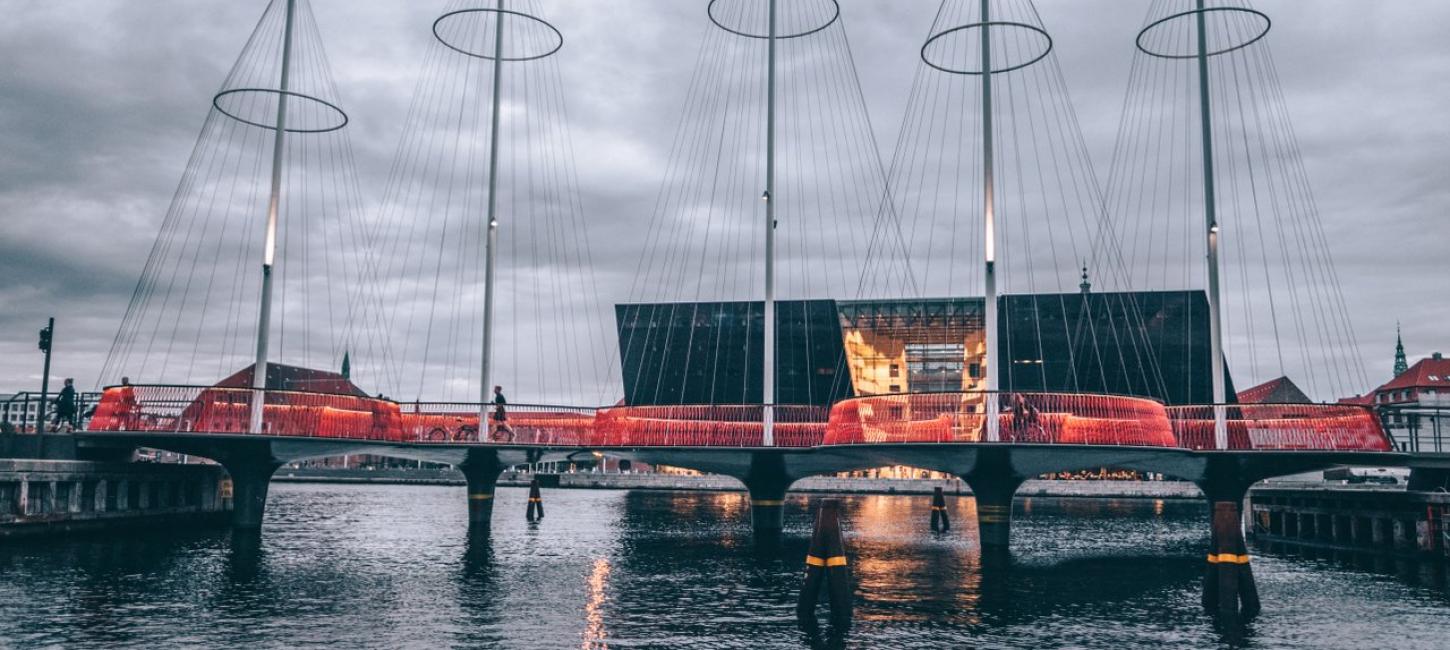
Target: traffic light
[45,339]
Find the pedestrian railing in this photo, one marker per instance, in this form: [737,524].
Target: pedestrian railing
[1036,418]
[1280,427]
[529,424]
[727,425]
[954,417]
[193,409]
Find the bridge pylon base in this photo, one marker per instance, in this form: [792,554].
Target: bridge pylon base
[251,477]
[1229,589]
[994,483]
[481,470]
[767,483]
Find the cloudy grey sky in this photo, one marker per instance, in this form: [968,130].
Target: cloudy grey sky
[101,101]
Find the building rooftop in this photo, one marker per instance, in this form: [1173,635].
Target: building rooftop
[1275,391]
[1431,372]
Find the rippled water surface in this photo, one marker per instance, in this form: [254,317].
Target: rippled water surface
[393,567]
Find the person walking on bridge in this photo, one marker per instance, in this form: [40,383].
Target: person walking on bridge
[65,406]
[500,416]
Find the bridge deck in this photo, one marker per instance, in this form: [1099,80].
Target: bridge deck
[925,418]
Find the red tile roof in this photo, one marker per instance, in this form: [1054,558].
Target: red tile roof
[1276,391]
[1426,373]
[285,377]
[1362,400]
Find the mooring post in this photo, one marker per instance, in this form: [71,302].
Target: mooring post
[536,501]
[939,520]
[826,566]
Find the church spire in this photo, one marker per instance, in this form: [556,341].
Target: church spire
[1401,365]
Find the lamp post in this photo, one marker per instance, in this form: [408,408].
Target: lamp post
[47,337]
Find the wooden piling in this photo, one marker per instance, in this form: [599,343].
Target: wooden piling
[536,501]
[826,567]
[939,520]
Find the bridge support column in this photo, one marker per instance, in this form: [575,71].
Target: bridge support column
[1229,588]
[767,483]
[251,477]
[994,483]
[480,470]
[767,506]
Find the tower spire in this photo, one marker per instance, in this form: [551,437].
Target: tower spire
[1401,365]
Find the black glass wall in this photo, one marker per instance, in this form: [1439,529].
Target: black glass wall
[712,353]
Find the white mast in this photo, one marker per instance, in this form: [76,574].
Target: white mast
[989,241]
[269,248]
[1215,313]
[492,241]
[768,372]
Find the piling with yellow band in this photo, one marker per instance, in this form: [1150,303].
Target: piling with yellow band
[536,501]
[939,520]
[826,567]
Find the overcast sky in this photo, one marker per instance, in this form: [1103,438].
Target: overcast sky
[101,102]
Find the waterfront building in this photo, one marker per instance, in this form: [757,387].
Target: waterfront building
[1415,404]
[1151,344]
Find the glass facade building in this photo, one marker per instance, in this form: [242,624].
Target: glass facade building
[1152,344]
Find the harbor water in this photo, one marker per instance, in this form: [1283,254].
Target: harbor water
[363,566]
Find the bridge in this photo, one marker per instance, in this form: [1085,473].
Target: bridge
[1039,433]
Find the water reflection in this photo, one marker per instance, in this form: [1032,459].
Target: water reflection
[594,638]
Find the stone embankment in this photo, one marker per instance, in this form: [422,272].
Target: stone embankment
[63,496]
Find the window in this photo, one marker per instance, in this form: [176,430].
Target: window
[934,367]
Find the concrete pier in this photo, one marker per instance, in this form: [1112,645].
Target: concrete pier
[39,497]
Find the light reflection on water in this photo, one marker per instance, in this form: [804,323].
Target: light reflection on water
[394,566]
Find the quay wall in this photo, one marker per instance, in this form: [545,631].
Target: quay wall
[39,497]
[1384,520]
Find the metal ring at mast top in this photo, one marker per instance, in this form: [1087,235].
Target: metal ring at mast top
[218,101]
[1205,11]
[1046,46]
[499,15]
[835,16]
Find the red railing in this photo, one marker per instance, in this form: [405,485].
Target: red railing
[1263,427]
[1036,418]
[191,409]
[708,426]
[523,424]
[1046,418]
